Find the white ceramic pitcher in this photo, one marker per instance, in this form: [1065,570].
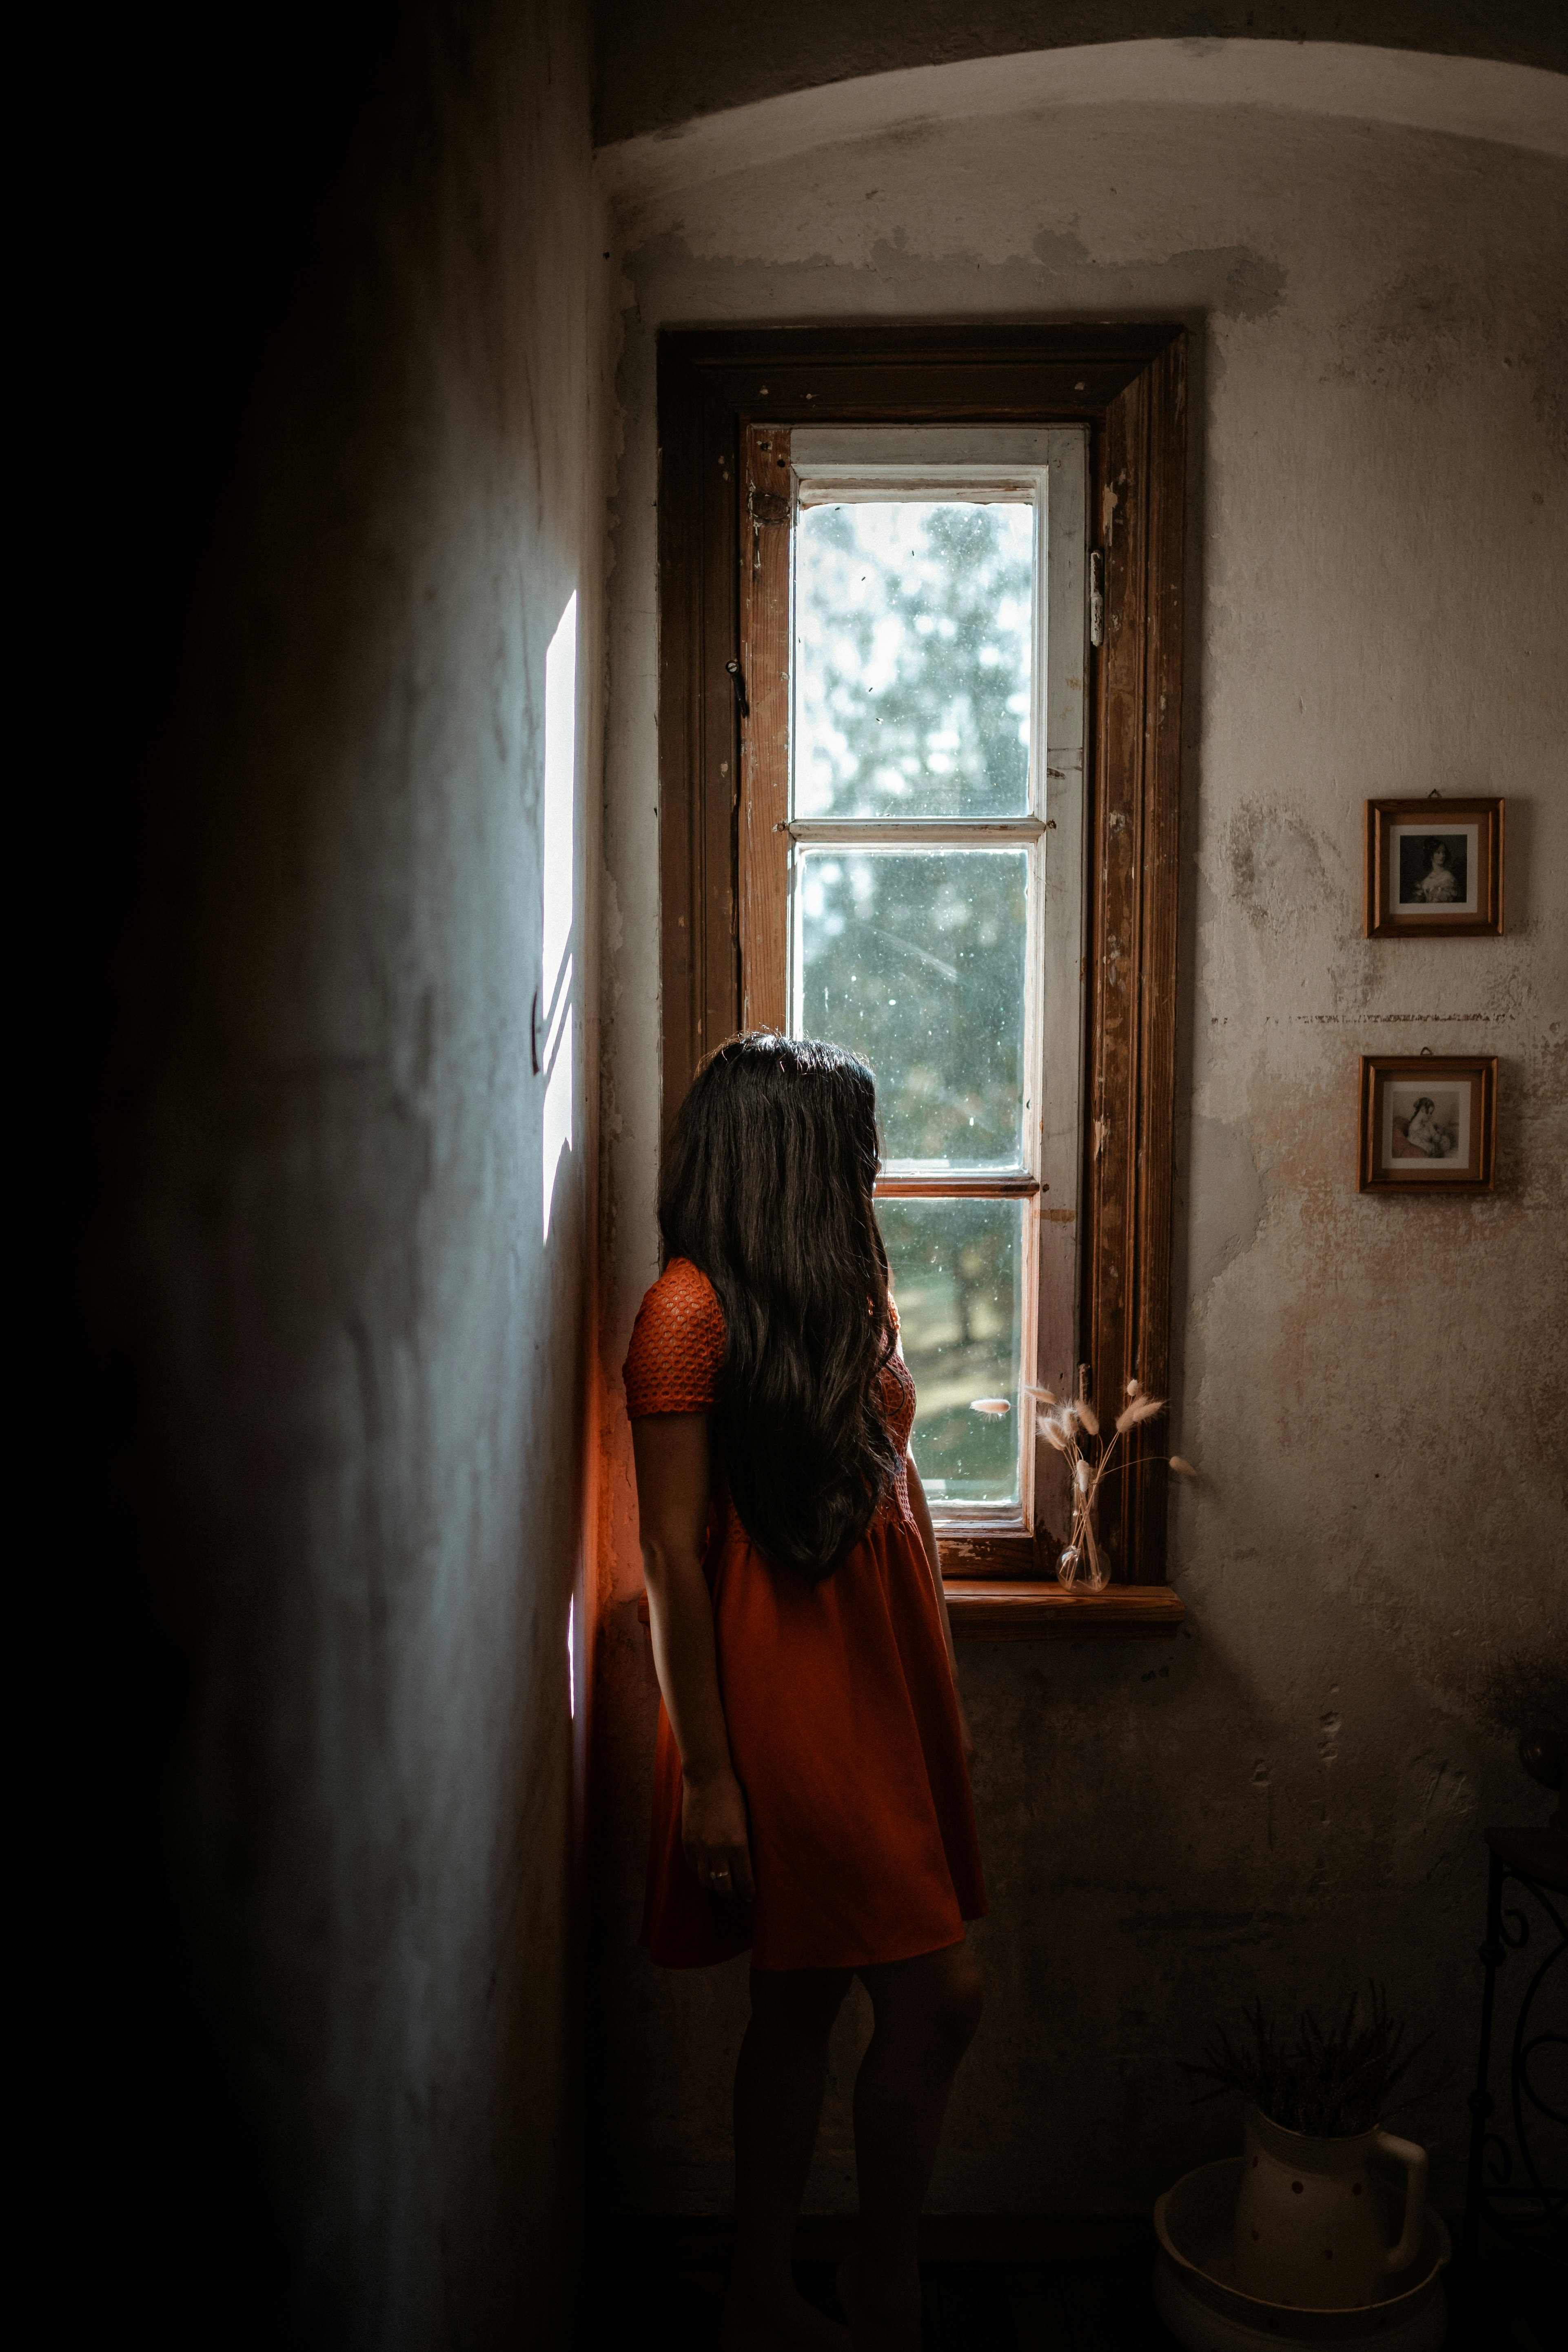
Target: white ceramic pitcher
[1309,2228]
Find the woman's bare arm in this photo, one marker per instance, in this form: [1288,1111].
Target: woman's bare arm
[921,1510]
[673,1481]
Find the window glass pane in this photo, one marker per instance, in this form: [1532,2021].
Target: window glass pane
[914,958]
[957,1269]
[912,659]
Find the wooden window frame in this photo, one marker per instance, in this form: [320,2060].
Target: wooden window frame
[1127,384]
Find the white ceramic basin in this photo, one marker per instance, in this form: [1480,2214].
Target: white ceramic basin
[1203,2310]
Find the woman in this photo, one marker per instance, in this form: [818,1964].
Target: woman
[1440,885]
[1422,1131]
[811,1792]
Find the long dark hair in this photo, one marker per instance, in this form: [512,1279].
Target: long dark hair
[767,1189]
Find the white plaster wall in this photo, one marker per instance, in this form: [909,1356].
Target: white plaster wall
[1293,1793]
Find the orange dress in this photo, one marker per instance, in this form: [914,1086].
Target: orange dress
[842,1718]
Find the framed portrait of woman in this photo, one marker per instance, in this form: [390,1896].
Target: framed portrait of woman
[1434,868]
[1428,1123]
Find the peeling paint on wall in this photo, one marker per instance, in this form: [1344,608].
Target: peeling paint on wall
[1227,1200]
[1236,282]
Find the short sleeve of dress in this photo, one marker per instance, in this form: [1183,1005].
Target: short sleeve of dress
[677,1345]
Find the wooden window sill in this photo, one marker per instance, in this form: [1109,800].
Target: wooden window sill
[996,1609]
[1001,1587]
[1002,1608]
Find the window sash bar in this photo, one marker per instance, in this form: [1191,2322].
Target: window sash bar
[955,1514]
[956,1185]
[866,833]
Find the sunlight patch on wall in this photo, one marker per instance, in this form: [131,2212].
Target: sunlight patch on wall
[559,875]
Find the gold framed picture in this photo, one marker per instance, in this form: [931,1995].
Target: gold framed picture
[1428,1122]
[1434,868]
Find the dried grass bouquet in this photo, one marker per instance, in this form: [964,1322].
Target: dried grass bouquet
[1059,1425]
[1327,2085]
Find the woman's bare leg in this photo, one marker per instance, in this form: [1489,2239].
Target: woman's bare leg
[779,2080]
[926,2013]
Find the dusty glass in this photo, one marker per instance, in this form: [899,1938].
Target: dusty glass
[914,958]
[913,631]
[957,1273]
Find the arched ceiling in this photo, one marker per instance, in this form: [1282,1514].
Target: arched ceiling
[661,63]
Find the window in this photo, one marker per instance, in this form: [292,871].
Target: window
[891,768]
[914,801]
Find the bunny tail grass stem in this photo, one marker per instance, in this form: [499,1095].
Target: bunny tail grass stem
[1183,1469]
[1103,1464]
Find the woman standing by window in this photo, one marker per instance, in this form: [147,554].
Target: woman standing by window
[811,1795]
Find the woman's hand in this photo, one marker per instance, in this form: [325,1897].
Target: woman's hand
[713,1832]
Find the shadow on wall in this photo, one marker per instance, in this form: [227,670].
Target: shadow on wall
[661,66]
[319,1474]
